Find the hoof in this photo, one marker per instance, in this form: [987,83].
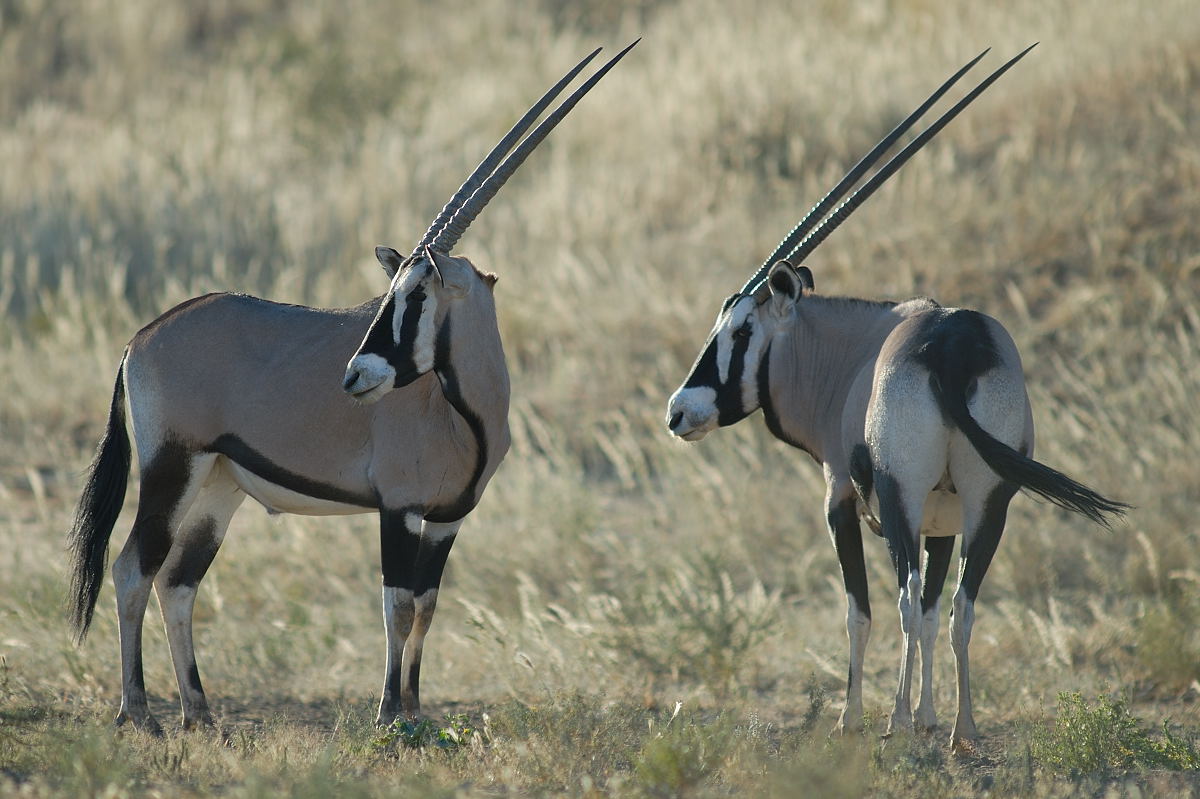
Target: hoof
[965,747]
[203,721]
[898,729]
[142,722]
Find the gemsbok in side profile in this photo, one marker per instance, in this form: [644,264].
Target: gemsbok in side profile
[918,415]
[231,395]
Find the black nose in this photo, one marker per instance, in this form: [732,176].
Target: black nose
[676,419]
[350,380]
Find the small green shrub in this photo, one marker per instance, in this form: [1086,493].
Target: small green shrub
[455,732]
[1106,738]
[682,756]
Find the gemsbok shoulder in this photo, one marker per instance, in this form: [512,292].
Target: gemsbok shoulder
[917,414]
[230,395]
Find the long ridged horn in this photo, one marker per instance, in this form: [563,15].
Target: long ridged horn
[839,215]
[488,164]
[466,214]
[822,208]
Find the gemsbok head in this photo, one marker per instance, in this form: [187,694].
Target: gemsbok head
[230,395]
[917,413]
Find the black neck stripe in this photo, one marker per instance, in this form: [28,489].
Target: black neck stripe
[452,390]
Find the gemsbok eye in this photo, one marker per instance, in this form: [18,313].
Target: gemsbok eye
[743,331]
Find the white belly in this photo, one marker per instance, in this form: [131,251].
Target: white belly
[942,514]
[277,499]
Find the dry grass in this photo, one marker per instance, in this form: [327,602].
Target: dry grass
[150,153]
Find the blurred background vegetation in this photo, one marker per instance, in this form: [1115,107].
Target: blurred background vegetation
[150,151]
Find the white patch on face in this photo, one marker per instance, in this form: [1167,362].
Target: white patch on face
[374,377]
[738,314]
[423,347]
[724,335]
[699,408]
[750,398]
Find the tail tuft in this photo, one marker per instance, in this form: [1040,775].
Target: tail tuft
[97,512]
[1042,480]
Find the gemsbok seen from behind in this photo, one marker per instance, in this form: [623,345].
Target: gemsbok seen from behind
[230,395]
[917,414]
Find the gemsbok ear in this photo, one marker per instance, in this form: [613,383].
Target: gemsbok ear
[389,259]
[806,278]
[784,281]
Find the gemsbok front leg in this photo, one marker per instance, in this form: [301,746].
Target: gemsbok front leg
[842,516]
[414,554]
[938,550]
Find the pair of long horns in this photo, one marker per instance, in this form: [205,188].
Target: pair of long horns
[803,239]
[491,174]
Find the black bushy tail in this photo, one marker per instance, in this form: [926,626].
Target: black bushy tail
[97,512]
[950,388]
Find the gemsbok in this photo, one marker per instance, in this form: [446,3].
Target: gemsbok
[231,395]
[917,414]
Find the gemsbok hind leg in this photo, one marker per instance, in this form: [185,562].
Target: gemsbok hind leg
[900,513]
[984,515]
[938,550]
[414,554]
[195,546]
[170,480]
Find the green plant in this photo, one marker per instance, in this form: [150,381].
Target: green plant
[683,755]
[456,731]
[1106,737]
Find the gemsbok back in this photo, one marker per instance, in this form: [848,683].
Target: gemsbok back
[918,415]
[231,395]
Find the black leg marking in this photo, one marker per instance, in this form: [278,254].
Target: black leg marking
[862,474]
[938,550]
[201,547]
[414,680]
[163,482]
[900,537]
[398,547]
[193,678]
[431,562]
[847,541]
[139,678]
[978,556]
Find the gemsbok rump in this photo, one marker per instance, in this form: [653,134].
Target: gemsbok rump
[918,415]
[231,395]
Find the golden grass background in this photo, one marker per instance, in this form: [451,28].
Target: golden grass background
[150,152]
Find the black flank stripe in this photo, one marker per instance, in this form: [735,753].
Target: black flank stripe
[254,461]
